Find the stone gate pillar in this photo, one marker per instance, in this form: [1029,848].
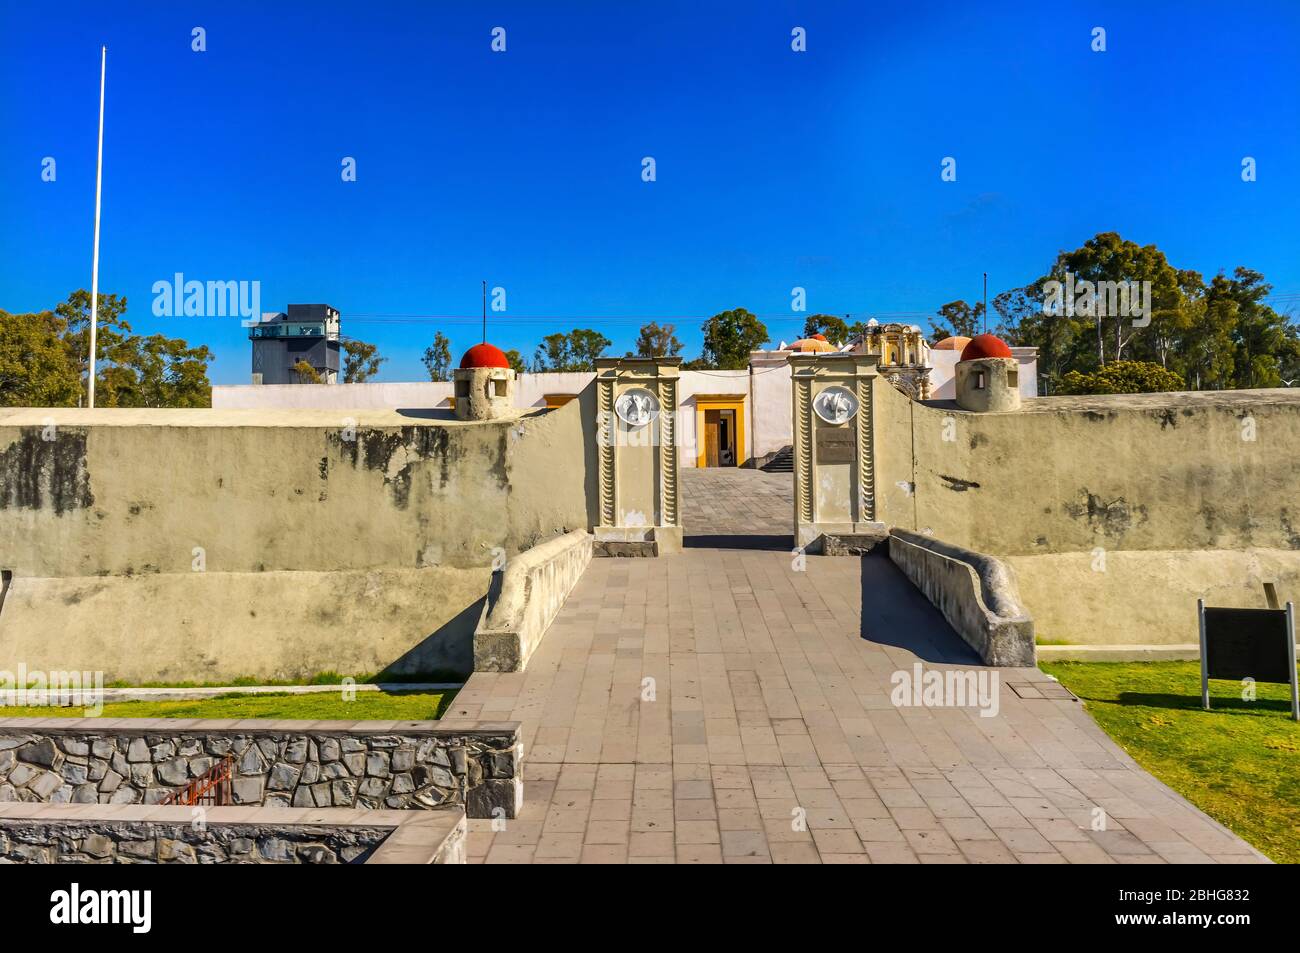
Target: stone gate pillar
[834,447]
[637,443]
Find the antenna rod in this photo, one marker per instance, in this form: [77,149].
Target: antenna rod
[94,269]
[485,311]
[986,301]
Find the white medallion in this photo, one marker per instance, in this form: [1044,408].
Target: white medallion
[636,407]
[835,405]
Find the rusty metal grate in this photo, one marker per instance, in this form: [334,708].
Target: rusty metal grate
[210,789]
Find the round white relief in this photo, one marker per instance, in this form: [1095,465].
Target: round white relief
[636,407]
[835,405]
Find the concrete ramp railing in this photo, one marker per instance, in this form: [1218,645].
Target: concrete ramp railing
[976,593]
[525,598]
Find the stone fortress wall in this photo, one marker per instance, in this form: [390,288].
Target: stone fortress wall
[364,541]
[1115,512]
[207,545]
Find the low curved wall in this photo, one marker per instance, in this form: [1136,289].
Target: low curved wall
[524,600]
[976,594]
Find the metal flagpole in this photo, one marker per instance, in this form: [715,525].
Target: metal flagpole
[94,269]
[986,301]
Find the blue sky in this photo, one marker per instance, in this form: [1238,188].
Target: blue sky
[775,169]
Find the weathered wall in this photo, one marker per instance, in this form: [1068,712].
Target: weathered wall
[1125,484]
[127,492]
[214,627]
[213,544]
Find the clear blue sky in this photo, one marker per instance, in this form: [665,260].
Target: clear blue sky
[775,169]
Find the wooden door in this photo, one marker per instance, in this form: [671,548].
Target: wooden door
[711,438]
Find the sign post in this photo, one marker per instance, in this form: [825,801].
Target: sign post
[1258,644]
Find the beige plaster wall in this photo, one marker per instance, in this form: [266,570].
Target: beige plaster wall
[218,626]
[188,544]
[1165,488]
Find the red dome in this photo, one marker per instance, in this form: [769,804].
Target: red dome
[985,345]
[484,355]
[819,337]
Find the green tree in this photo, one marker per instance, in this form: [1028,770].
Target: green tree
[730,336]
[834,329]
[130,370]
[958,319]
[306,373]
[586,347]
[437,358]
[111,331]
[36,368]
[1121,377]
[360,361]
[516,361]
[1263,338]
[575,351]
[656,341]
[555,353]
[155,371]
[1022,322]
[1108,258]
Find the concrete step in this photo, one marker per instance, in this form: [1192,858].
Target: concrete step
[783,462]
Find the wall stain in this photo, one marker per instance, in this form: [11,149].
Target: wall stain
[978,440]
[1292,537]
[958,485]
[38,474]
[1113,519]
[375,449]
[1167,418]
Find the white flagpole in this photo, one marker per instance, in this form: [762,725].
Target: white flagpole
[94,271]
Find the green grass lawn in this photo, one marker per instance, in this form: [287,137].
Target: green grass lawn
[319,706]
[1238,762]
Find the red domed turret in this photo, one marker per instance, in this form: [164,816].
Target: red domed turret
[484,355]
[985,345]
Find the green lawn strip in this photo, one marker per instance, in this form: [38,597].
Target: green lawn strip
[320,678]
[1238,762]
[317,706]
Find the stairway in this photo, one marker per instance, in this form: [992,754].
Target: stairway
[782,462]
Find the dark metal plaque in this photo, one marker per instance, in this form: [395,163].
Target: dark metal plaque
[836,445]
[1248,643]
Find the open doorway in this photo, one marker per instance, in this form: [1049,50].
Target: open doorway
[719,438]
[720,430]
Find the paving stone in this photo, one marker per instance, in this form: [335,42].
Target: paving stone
[771,735]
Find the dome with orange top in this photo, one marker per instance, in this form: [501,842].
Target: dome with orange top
[816,344]
[985,345]
[484,355]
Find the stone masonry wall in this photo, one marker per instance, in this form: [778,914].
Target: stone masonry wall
[415,769]
[105,842]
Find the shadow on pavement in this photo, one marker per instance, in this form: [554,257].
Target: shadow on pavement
[895,612]
[782,542]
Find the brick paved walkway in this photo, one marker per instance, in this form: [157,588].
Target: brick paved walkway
[771,705]
[736,507]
